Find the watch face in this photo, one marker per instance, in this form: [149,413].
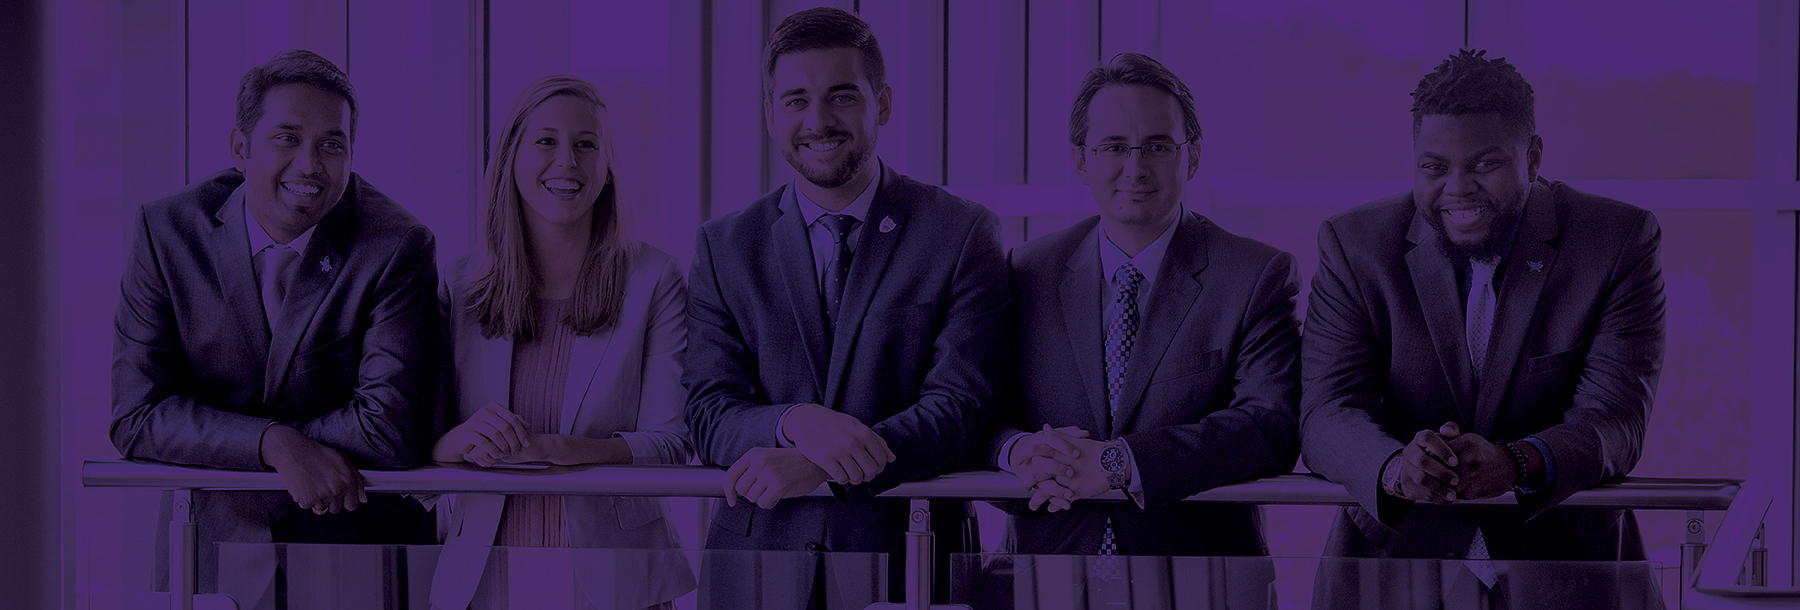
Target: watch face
[1112,459]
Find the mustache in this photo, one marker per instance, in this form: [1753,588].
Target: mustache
[828,134]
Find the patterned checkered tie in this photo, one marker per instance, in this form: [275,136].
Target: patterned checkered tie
[838,270]
[1121,332]
[1480,324]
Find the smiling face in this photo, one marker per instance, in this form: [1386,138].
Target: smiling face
[1134,191]
[1471,176]
[560,167]
[823,115]
[296,160]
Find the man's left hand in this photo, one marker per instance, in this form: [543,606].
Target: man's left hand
[1089,479]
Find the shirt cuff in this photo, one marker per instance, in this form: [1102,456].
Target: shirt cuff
[1005,460]
[1549,466]
[1134,489]
[780,440]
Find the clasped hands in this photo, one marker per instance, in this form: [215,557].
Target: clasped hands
[1059,466]
[492,435]
[827,446]
[1446,465]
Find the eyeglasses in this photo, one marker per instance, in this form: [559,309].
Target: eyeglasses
[1154,151]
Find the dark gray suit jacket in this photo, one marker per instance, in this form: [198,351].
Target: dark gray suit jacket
[1574,357]
[197,374]
[1210,395]
[918,337]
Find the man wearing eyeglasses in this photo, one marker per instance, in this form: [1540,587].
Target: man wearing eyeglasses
[1183,335]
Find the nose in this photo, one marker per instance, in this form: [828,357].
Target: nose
[1460,183]
[565,156]
[306,161]
[1133,164]
[817,118]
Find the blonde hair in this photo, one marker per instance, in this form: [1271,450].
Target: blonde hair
[504,288]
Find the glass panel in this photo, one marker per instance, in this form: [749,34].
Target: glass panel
[1662,89]
[352,577]
[1002,581]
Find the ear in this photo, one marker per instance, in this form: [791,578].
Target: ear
[240,149]
[884,104]
[1193,159]
[1078,154]
[769,118]
[1534,156]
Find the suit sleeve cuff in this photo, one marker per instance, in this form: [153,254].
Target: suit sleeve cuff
[1134,489]
[781,440]
[1549,466]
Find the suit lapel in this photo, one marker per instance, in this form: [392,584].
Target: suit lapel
[1434,281]
[1177,289]
[314,272]
[793,252]
[585,357]
[229,249]
[1528,266]
[875,247]
[1078,293]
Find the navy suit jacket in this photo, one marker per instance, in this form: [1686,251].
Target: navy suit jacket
[1574,357]
[917,339]
[1210,396]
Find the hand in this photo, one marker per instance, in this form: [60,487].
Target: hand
[1427,467]
[766,475]
[1038,458]
[319,478]
[1089,479]
[491,435]
[538,448]
[848,451]
[1486,469]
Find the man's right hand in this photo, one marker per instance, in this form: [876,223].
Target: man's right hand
[318,477]
[848,451]
[1427,467]
[1037,459]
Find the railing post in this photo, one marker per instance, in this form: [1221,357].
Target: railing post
[1694,549]
[1759,561]
[184,551]
[919,556]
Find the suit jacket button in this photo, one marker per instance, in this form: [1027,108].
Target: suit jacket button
[812,547]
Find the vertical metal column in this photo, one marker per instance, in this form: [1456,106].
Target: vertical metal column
[918,556]
[1693,550]
[1759,560]
[184,551]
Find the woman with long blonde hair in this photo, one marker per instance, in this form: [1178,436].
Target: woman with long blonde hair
[567,339]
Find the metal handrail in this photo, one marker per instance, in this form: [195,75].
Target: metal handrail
[702,482]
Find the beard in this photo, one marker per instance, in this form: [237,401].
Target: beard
[1494,244]
[831,176]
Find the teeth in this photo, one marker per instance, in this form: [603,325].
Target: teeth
[562,185]
[1463,214]
[300,189]
[824,146]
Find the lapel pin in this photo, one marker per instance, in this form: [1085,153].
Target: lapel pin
[1536,266]
[887,224]
[325,265]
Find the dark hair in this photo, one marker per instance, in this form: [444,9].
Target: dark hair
[285,68]
[824,28]
[1130,69]
[1468,83]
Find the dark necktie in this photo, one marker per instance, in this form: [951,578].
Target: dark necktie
[275,261]
[1121,332]
[838,269]
[1479,324]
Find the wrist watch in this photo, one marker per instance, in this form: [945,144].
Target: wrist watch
[1113,462]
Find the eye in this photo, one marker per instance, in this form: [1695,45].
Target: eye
[545,141]
[1432,168]
[587,145]
[1489,164]
[1159,148]
[1111,149]
[333,146]
[287,138]
[794,102]
[843,98]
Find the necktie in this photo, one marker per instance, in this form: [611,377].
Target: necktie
[1121,332]
[1479,324]
[838,269]
[276,259]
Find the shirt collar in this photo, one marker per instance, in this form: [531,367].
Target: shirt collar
[858,208]
[259,237]
[1148,261]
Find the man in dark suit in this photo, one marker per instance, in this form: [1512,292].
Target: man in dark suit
[841,328]
[1157,352]
[1490,331]
[281,315]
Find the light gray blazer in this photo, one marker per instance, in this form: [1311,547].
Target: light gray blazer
[623,381]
